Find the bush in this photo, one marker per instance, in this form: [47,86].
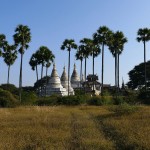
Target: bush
[124,109]
[95,100]
[7,99]
[71,100]
[107,100]
[28,98]
[11,88]
[117,100]
[144,97]
[47,101]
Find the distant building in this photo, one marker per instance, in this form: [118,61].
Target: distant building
[91,85]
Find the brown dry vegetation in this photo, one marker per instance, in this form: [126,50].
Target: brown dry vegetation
[74,128]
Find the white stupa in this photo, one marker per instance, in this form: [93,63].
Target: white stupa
[54,84]
[75,80]
[64,82]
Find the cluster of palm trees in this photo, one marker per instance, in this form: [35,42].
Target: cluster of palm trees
[44,57]
[93,47]
[88,47]
[143,35]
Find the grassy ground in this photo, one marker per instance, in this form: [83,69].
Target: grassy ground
[74,128]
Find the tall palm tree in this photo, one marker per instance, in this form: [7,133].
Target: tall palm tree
[116,46]
[144,36]
[86,52]
[3,43]
[49,58]
[68,44]
[79,56]
[22,37]
[34,63]
[9,55]
[102,37]
[91,48]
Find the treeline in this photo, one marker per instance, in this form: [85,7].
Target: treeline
[103,37]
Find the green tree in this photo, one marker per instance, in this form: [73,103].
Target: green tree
[3,43]
[86,52]
[94,50]
[22,37]
[68,44]
[101,37]
[34,63]
[9,55]
[116,46]
[137,76]
[144,36]
[79,56]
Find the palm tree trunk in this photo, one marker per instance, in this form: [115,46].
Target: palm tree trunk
[68,72]
[85,69]
[102,68]
[145,65]
[80,74]
[93,72]
[41,76]
[8,74]
[20,77]
[37,73]
[46,80]
[118,71]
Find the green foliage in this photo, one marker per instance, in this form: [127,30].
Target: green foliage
[7,99]
[11,88]
[28,98]
[124,109]
[137,74]
[100,100]
[117,100]
[71,100]
[144,97]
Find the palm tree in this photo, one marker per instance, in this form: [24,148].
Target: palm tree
[22,37]
[9,55]
[95,51]
[116,46]
[49,58]
[3,43]
[102,37]
[79,56]
[144,36]
[68,44]
[34,63]
[86,52]
[91,48]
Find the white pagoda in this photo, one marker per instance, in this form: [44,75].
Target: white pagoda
[64,82]
[54,84]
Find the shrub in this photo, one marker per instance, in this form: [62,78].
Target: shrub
[47,101]
[144,97]
[124,109]
[28,98]
[107,100]
[117,100]
[71,100]
[11,88]
[95,100]
[7,99]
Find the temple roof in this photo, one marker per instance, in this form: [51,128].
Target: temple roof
[74,76]
[64,75]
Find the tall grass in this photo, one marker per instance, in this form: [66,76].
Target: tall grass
[71,128]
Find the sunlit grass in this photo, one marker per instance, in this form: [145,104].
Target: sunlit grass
[81,127]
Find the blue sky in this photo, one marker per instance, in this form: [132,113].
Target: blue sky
[52,21]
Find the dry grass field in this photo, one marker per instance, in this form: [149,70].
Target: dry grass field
[74,128]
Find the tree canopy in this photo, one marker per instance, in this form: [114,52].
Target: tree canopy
[136,76]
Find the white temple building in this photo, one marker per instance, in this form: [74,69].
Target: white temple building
[54,85]
[75,80]
[64,82]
